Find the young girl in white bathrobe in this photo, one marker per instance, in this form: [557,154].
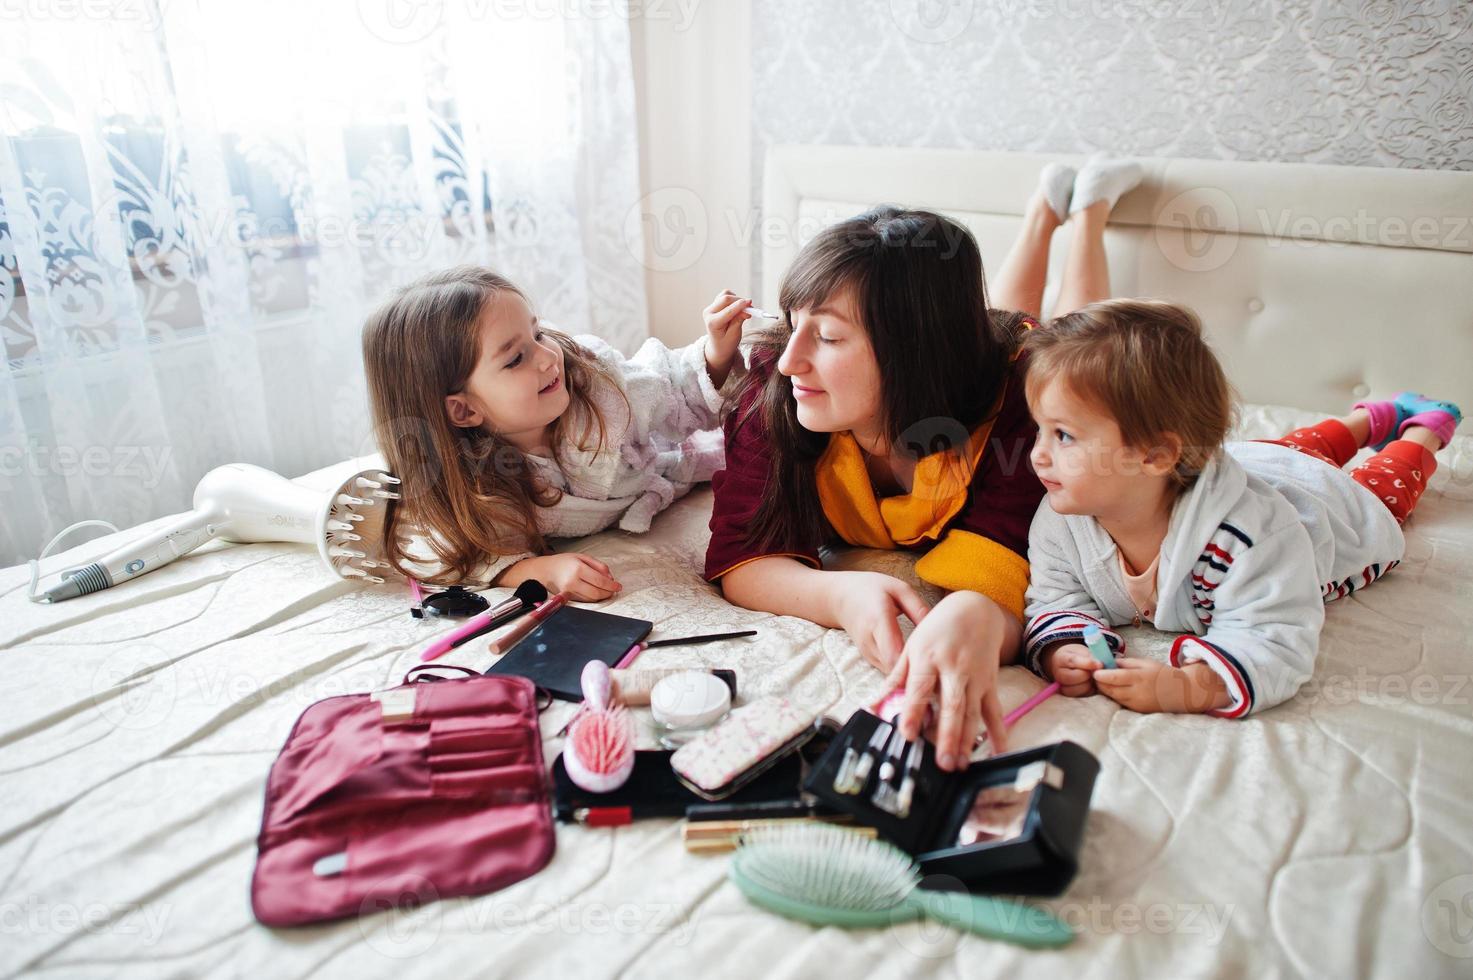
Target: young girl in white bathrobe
[1150,518]
[506,432]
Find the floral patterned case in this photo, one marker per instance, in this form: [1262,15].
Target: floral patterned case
[742,746]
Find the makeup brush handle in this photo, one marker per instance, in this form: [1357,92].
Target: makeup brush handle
[596,685]
[1030,704]
[444,643]
[995,918]
[516,632]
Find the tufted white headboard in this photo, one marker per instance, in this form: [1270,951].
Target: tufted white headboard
[1318,285]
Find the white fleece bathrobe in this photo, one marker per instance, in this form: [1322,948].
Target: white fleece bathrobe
[1255,548]
[663,442]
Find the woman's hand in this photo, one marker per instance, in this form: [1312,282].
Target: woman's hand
[724,319]
[952,658]
[583,577]
[1073,666]
[866,605]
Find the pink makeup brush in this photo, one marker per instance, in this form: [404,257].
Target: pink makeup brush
[599,755]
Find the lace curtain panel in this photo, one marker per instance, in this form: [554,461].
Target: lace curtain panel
[201,201]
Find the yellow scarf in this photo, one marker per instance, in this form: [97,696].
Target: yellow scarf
[942,482]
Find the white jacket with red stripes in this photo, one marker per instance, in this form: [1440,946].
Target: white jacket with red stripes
[1255,548]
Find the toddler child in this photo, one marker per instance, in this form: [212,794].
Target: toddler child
[1150,518]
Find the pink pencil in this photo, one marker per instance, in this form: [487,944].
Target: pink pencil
[1027,706]
[888,707]
[1030,704]
[629,656]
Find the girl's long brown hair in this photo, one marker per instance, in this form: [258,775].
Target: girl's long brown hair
[473,492]
[917,281]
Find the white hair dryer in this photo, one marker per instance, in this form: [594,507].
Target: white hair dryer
[244,503]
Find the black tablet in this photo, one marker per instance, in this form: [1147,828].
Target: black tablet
[553,655]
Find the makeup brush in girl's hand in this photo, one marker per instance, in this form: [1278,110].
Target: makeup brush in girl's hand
[599,755]
[830,875]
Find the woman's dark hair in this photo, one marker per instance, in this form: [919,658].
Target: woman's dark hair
[917,282]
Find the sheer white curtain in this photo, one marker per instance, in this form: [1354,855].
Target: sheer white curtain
[200,201]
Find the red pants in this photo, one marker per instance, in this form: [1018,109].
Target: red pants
[1397,475]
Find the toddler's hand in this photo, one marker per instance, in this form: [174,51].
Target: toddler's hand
[1072,665]
[1147,686]
[724,319]
[583,577]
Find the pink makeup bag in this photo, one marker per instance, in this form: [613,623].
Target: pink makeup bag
[407,795]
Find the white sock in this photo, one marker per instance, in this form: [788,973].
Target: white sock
[1103,179]
[1056,181]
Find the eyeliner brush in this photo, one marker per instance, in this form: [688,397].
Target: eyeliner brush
[683,641]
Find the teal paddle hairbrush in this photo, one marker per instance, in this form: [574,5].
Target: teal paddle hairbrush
[831,876]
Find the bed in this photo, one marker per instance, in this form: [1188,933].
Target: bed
[1328,836]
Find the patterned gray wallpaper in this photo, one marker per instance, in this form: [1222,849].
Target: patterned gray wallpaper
[1377,82]
[1365,82]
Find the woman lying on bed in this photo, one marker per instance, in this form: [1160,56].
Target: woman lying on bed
[886,410]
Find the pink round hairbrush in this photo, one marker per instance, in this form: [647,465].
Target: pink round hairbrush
[599,755]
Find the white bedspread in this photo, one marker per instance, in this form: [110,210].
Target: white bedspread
[1328,837]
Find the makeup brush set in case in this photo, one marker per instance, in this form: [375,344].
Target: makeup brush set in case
[1012,823]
